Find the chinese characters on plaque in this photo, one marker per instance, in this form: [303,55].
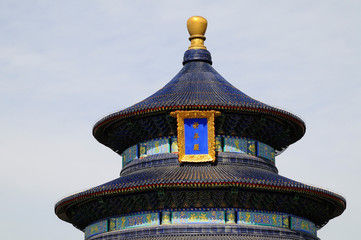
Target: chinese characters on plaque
[196,136]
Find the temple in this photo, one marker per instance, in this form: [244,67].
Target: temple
[198,162]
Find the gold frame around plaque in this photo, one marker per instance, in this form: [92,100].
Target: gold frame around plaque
[194,158]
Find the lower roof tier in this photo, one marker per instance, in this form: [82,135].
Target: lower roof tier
[234,180]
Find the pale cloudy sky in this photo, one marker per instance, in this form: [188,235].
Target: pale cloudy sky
[66,64]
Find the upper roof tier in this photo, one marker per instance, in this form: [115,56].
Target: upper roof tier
[198,86]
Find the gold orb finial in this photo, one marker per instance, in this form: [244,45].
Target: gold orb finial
[197,28]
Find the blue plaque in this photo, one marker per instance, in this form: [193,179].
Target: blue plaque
[196,136]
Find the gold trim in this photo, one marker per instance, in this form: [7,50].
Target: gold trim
[210,115]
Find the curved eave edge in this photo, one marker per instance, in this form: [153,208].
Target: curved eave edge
[310,192]
[119,115]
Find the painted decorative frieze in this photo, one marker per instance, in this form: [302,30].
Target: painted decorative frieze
[130,154]
[264,219]
[235,144]
[157,146]
[265,151]
[202,216]
[174,145]
[219,147]
[301,224]
[166,218]
[189,217]
[139,220]
[96,228]
[197,145]
[230,216]
[143,149]
[251,147]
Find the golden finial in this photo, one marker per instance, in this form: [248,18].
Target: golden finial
[197,27]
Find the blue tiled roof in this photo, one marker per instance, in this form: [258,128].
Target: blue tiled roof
[227,173]
[199,86]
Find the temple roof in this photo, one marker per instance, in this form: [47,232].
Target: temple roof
[198,86]
[231,170]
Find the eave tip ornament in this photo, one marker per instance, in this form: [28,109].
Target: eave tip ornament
[196,135]
[197,27]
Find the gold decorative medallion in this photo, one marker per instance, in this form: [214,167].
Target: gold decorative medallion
[196,135]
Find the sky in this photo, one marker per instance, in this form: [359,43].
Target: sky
[66,64]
